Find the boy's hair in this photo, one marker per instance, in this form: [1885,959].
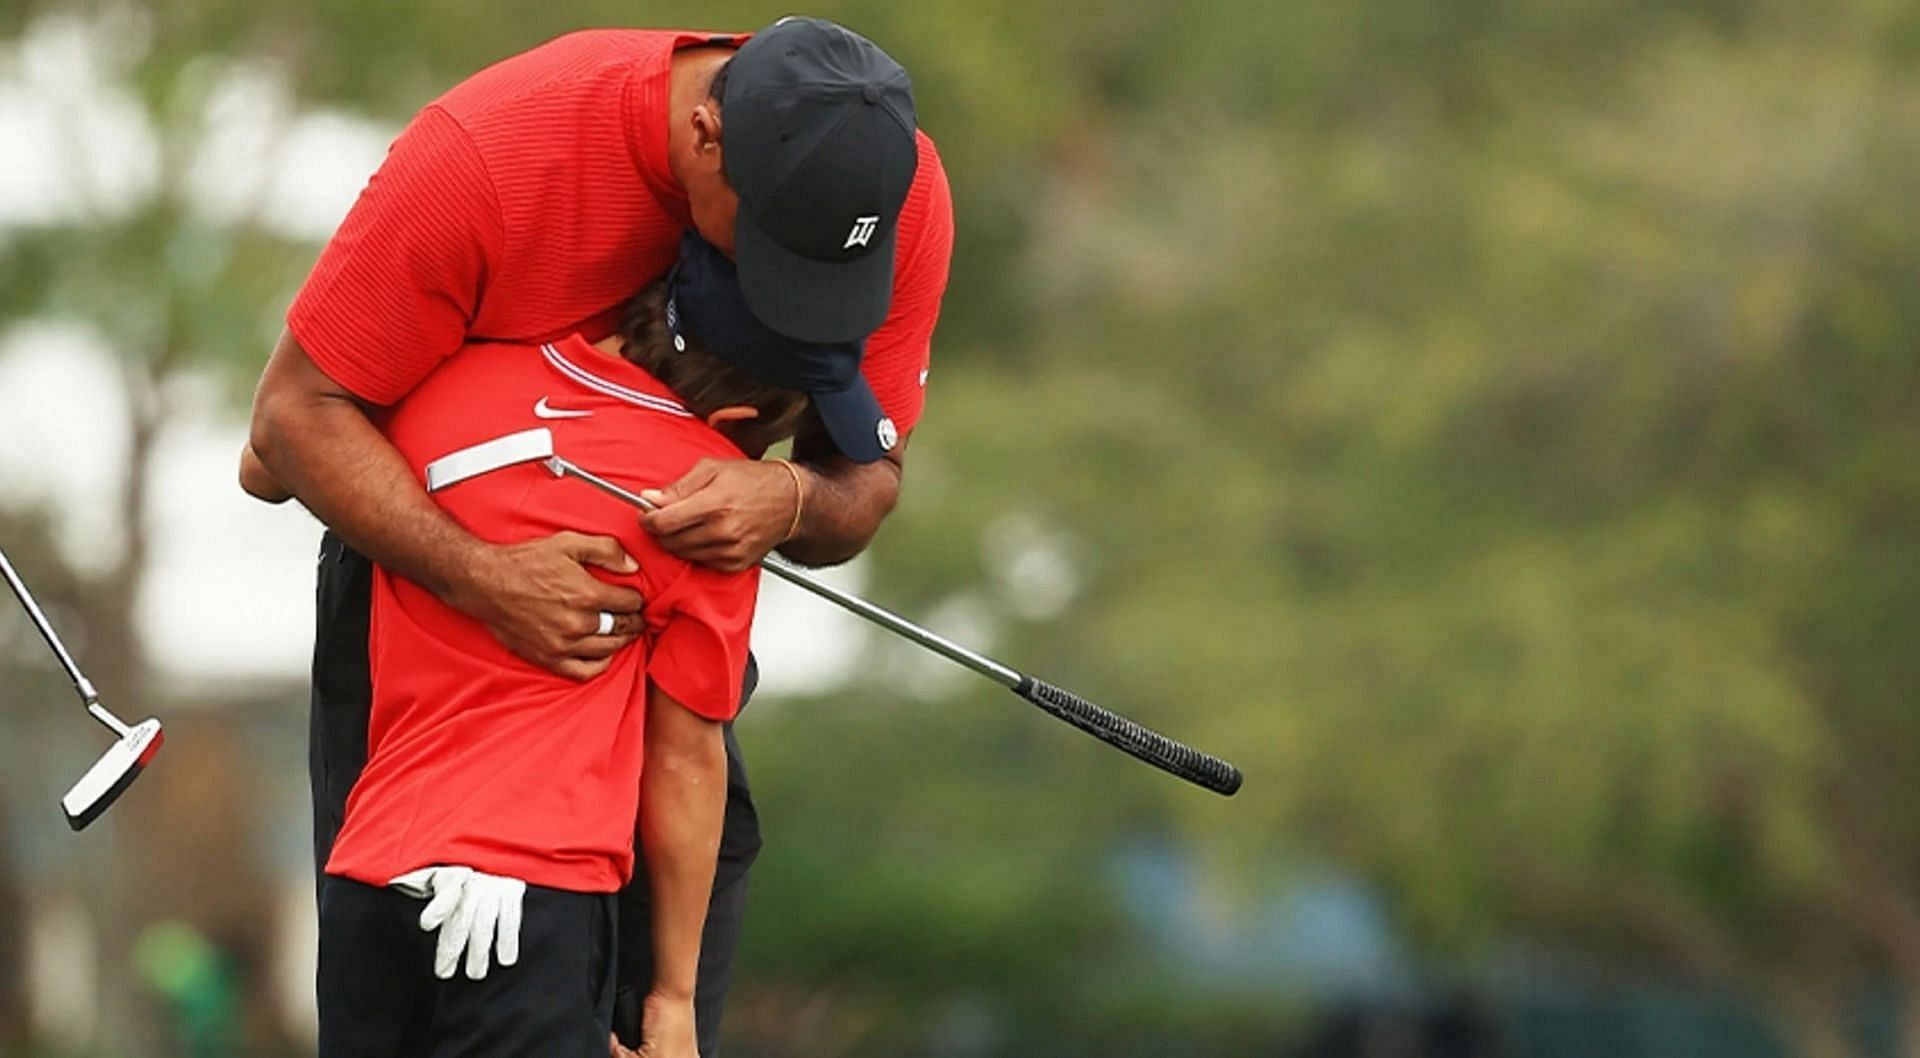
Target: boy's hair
[703,381]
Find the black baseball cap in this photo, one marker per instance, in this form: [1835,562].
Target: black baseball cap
[706,304]
[818,126]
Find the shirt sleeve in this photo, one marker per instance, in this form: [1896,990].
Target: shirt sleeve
[700,657]
[899,351]
[396,289]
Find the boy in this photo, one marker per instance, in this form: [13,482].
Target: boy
[486,770]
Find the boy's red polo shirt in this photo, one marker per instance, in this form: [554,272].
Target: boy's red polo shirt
[532,200]
[474,756]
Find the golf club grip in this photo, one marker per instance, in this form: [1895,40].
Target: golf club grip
[1131,738]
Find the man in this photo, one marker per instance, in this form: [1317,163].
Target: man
[479,763]
[527,203]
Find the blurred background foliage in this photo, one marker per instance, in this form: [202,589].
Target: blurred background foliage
[1492,424]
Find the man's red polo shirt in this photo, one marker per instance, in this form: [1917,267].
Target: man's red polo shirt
[474,756]
[532,200]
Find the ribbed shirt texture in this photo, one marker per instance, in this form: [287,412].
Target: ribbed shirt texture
[533,199]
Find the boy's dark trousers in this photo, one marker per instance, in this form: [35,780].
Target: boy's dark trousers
[337,752]
[379,998]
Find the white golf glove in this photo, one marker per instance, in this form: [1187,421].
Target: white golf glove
[472,910]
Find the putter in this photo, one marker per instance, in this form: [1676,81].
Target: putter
[1174,758]
[134,747]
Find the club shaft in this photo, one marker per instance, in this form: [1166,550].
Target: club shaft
[112,722]
[793,574]
[893,622]
[80,682]
[1115,730]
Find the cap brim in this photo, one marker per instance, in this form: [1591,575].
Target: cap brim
[853,418]
[813,301]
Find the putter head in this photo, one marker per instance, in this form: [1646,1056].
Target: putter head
[112,774]
[488,456]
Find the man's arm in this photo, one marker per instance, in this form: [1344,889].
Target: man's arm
[392,295]
[844,502]
[257,481]
[314,440]
[683,799]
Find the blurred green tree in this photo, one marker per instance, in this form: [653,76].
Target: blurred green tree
[1506,447]
[128,254]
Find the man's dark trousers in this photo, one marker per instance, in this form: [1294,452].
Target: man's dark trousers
[337,751]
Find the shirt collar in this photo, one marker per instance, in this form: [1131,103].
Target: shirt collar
[575,359]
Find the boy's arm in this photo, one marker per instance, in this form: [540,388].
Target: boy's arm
[683,798]
[695,667]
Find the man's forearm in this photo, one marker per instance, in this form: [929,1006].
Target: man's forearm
[843,505]
[683,798]
[536,596]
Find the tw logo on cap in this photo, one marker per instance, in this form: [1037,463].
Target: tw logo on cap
[862,232]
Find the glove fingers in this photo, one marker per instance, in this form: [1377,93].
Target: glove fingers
[453,938]
[446,883]
[510,921]
[486,915]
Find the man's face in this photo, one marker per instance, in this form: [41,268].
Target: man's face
[714,204]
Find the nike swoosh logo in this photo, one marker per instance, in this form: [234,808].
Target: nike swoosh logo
[542,411]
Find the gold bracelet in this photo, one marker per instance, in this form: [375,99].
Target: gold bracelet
[799,497]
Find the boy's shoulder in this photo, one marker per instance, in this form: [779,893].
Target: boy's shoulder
[604,413]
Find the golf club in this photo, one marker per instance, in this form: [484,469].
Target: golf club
[134,747]
[1201,769]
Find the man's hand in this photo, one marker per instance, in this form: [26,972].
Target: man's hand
[614,1050]
[725,513]
[729,514]
[474,912]
[538,600]
[667,1024]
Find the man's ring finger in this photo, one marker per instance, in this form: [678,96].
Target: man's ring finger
[606,623]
